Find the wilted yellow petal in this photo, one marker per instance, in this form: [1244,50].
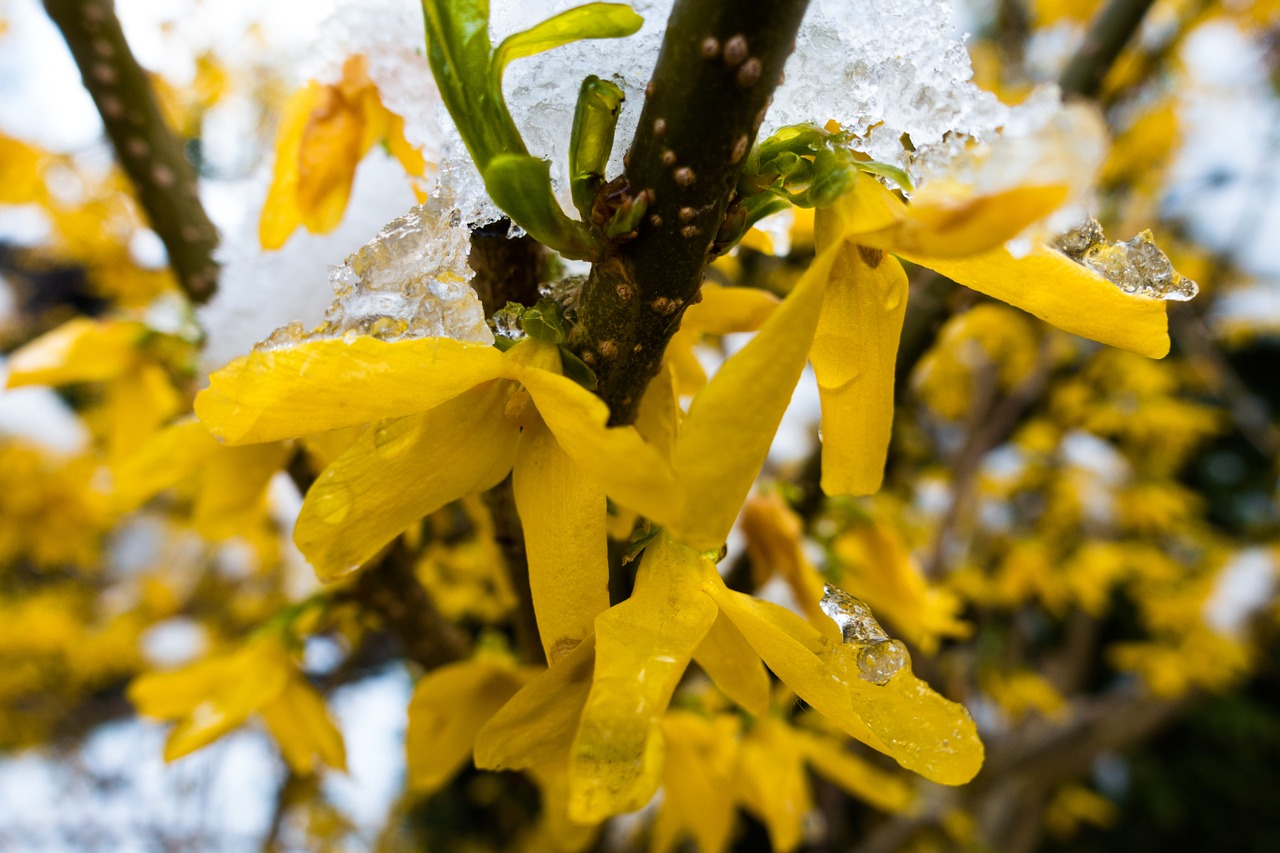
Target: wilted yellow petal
[80,350]
[729,661]
[326,384]
[698,781]
[731,423]
[537,726]
[562,513]
[1059,291]
[303,729]
[772,784]
[643,647]
[399,471]
[860,778]
[448,708]
[631,471]
[854,353]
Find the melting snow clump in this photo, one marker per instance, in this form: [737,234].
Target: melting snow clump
[1135,266]
[410,281]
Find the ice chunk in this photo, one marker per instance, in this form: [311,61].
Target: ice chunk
[857,624]
[410,281]
[1135,266]
[878,658]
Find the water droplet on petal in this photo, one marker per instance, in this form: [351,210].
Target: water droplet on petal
[330,499]
[879,662]
[393,437]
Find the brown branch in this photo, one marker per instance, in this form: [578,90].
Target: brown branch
[720,63]
[1107,37]
[148,150]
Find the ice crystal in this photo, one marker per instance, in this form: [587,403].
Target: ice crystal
[887,70]
[1135,266]
[410,281]
[878,658]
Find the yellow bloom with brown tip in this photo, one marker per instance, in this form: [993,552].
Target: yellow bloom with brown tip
[326,131]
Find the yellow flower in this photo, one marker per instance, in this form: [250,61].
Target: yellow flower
[856,343]
[448,707]
[610,723]
[138,395]
[450,418]
[229,483]
[325,133]
[215,696]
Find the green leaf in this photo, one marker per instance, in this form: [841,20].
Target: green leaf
[884,170]
[544,321]
[595,118]
[520,184]
[577,370]
[592,21]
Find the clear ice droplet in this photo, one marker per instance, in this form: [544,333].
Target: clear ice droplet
[878,657]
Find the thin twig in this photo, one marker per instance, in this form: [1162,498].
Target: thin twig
[148,150]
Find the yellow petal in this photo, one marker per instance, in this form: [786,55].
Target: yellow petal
[698,781]
[858,777]
[562,513]
[774,533]
[303,729]
[175,693]
[903,718]
[280,213]
[729,661]
[333,142]
[80,350]
[537,726]
[643,647]
[796,653]
[448,708]
[138,403]
[327,384]
[772,783]
[399,471]
[854,353]
[169,457]
[632,472]
[1059,291]
[659,418]
[731,423]
[683,364]
[942,225]
[724,310]
[233,486]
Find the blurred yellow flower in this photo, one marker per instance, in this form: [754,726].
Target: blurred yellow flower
[213,697]
[326,131]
